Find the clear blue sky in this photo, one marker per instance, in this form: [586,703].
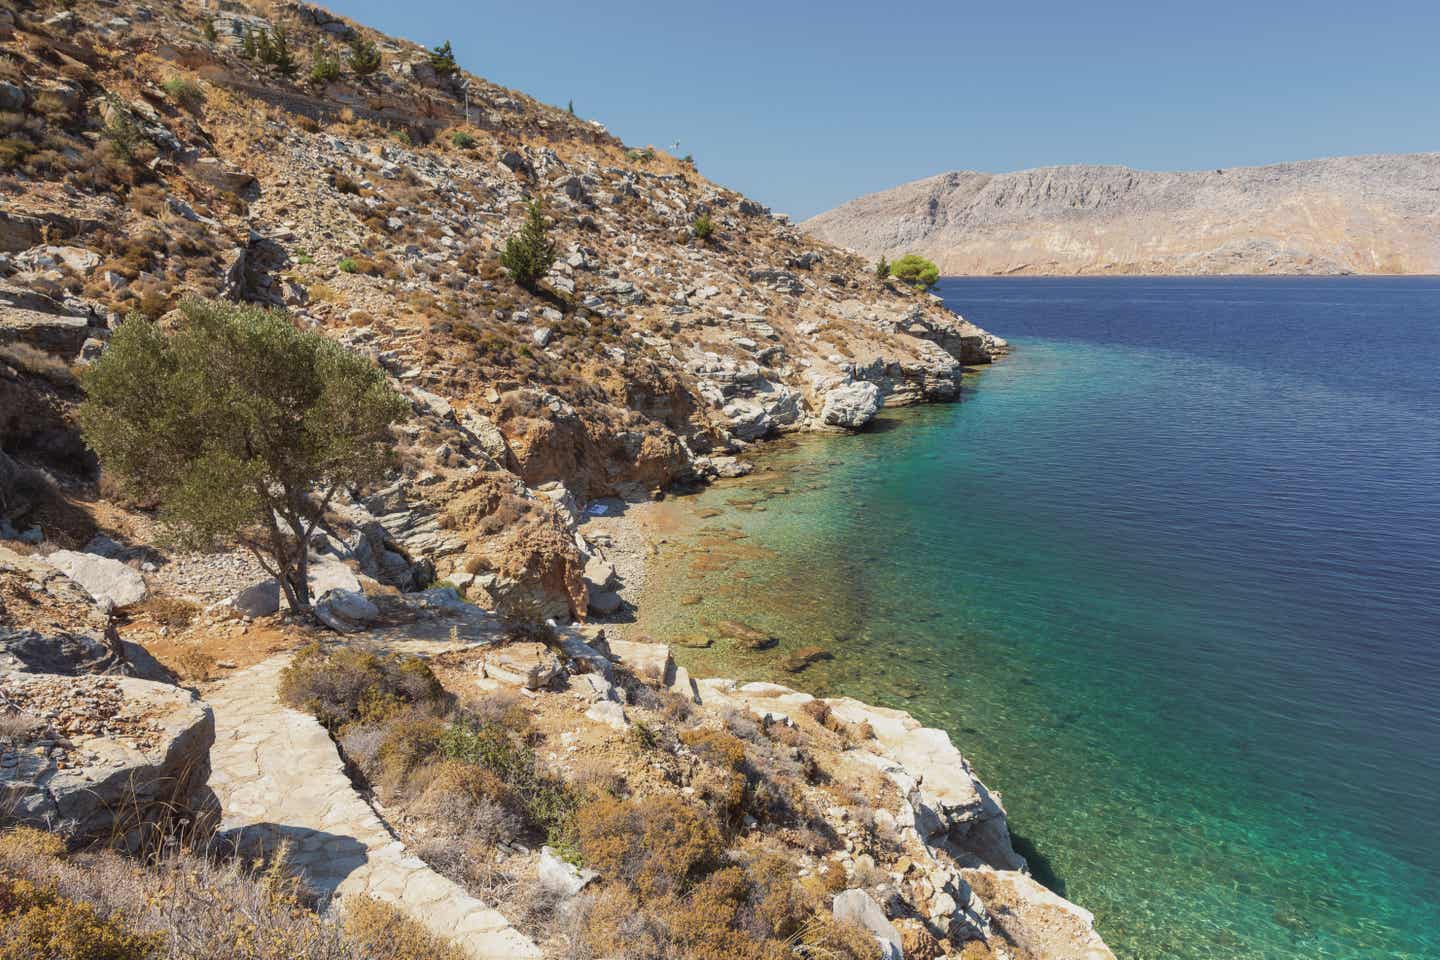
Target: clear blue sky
[804,106]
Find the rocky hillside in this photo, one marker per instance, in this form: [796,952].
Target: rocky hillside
[152,152]
[1362,215]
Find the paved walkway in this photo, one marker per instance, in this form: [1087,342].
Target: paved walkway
[278,776]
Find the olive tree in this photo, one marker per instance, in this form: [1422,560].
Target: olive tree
[240,426]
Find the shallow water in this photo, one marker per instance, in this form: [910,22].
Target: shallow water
[1170,576]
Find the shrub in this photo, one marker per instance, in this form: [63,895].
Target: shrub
[13,151]
[231,421]
[185,92]
[344,685]
[324,68]
[641,156]
[127,141]
[349,265]
[442,61]
[882,268]
[916,271]
[462,140]
[38,923]
[379,931]
[546,802]
[658,846]
[364,58]
[704,227]
[529,254]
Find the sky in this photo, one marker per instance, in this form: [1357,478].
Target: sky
[806,105]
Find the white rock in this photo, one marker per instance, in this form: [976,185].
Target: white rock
[107,581]
[857,906]
[258,600]
[610,713]
[346,611]
[561,879]
[851,405]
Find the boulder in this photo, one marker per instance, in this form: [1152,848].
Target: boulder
[109,582]
[649,661]
[258,600]
[858,907]
[560,879]
[346,611]
[216,173]
[851,405]
[68,653]
[604,602]
[120,757]
[609,713]
[600,574]
[530,665]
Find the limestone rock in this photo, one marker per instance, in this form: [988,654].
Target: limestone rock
[135,753]
[851,405]
[346,611]
[109,582]
[857,906]
[258,600]
[1037,921]
[649,661]
[530,665]
[560,879]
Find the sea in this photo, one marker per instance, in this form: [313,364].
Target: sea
[1169,575]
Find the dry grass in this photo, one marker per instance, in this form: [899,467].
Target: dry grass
[99,905]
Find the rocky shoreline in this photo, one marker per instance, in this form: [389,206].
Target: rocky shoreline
[951,810]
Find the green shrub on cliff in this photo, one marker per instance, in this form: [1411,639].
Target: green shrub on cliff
[364,57]
[241,426]
[916,271]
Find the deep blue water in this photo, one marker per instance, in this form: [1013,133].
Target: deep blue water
[1170,575]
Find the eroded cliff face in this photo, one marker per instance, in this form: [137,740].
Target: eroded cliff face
[150,156]
[1364,215]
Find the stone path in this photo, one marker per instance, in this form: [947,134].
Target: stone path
[278,776]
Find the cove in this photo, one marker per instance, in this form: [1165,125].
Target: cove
[1170,577]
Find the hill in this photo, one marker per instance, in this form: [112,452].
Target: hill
[1362,215]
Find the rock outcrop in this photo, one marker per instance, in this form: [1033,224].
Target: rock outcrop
[107,758]
[1365,215]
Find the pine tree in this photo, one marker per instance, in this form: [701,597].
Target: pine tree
[442,61]
[364,57]
[529,254]
[882,269]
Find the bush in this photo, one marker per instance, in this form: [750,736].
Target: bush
[379,931]
[882,269]
[324,68]
[703,227]
[916,271]
[462,140]
[658,846]
[231,421]
[546,803]
[529,254]
[364,58]
[341,686]
[185,92]
[349,265]
[40,924]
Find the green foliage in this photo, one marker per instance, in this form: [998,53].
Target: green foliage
[529,254]
[324,68]
[704,227]
[547,803]
[349,265]
[232,422]
[442,61]
[916,271]
[271,48]
[340,686]
[185,92]
[462,140]
[882,268]
[209,29]
[127,141]
[571,108]
[403,136]
[640,156]
[364,57]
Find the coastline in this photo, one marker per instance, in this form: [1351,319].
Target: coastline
[970,826]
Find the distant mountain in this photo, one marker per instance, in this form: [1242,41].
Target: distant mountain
[1366,215]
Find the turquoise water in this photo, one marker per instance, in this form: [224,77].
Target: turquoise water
[1170,576]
